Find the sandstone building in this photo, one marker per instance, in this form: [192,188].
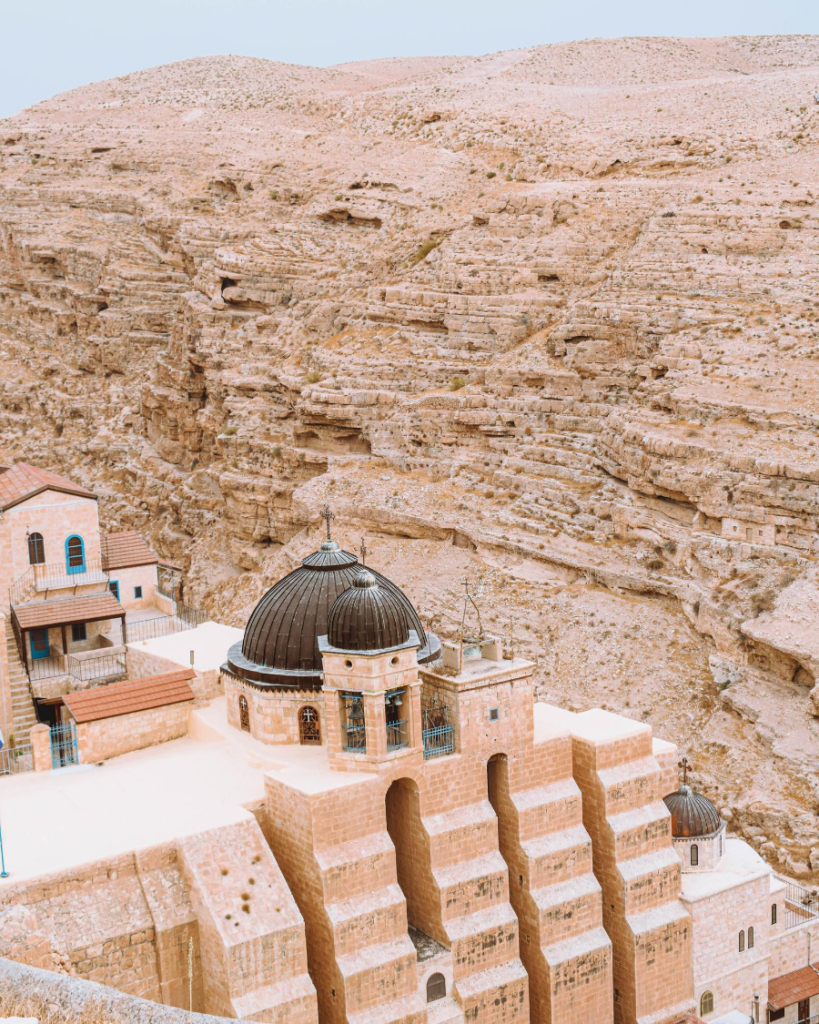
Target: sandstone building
[400,832]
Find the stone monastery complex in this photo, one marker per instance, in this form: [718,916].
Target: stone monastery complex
[336,816]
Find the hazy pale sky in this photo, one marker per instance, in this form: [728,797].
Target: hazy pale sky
[53,45]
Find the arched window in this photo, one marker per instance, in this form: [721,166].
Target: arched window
[706,1003]
[74,555]
[774,915]
[436,987]
[244,714]
[309,726]
[36,549]
[742,942]
[750,938]
[695,855]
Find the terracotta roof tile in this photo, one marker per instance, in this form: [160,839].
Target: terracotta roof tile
[792,987]
[21,481]
[124,550]
[65,610]
[133,695]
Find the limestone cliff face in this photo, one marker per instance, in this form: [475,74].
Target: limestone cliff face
[546,315]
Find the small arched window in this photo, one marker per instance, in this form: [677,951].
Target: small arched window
[695,855]
[244,714]
[74,555]
[742,942]
[36,549]
[309,726]
[750,938]
[706,1003]
[774,914]
[436,987]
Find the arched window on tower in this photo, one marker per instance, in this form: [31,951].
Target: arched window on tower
[436,987]
[774,914]
[750,938]
[695,855]
[36,549]
[706,1003]
[244,714]
[309,726]
[742,942]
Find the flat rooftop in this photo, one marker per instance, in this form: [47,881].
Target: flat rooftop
[209,643]
[57,820]
[740,863]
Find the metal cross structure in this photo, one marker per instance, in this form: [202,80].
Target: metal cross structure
[469,599]
[686,768]
[363,550]
[328,517]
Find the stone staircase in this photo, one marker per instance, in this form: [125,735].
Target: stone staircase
[22,705]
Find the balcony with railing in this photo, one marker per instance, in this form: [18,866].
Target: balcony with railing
[801,905]
[47,577]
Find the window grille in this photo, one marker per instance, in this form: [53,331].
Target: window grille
[79,632]
[244,714]
[309,727]
[695,855]
[706,1003]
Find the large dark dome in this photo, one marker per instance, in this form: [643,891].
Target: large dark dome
[280,645]
[693,816]
[367,617]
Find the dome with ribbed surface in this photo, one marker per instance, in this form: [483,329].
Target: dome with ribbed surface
[693,816]
[280,645]
[367,617]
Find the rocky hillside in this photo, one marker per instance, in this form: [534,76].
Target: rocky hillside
[546,318]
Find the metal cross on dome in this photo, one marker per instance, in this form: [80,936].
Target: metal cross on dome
[686,768]
[328,517]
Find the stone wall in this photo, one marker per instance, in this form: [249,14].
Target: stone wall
[137,576]
[110,737]
[206,683]
[273,714]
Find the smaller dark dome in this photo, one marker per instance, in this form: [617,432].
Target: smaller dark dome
[693,816]
[367,617]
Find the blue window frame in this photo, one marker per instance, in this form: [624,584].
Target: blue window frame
[39,644]
[74,554]
[78,632]
[113,586]
[137,593]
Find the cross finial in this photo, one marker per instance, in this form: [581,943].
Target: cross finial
[686,768]
[328,517]
[363,550]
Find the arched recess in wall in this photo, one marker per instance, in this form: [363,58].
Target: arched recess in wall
[412,858]
[244,713]
[309,726]
[36,549]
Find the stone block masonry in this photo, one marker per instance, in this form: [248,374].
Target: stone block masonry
[110,737]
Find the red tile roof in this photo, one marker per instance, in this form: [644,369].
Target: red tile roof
[65,610]
[22,481]
[125,550]
[791,988]
[132,695]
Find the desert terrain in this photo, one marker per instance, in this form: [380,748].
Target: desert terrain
[545,319]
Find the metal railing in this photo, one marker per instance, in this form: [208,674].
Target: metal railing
[16,760]
[396,735]
[164,625]
[56,576]
[355,738]
[46,668]
[104,666]
[438,733]
[801,904]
